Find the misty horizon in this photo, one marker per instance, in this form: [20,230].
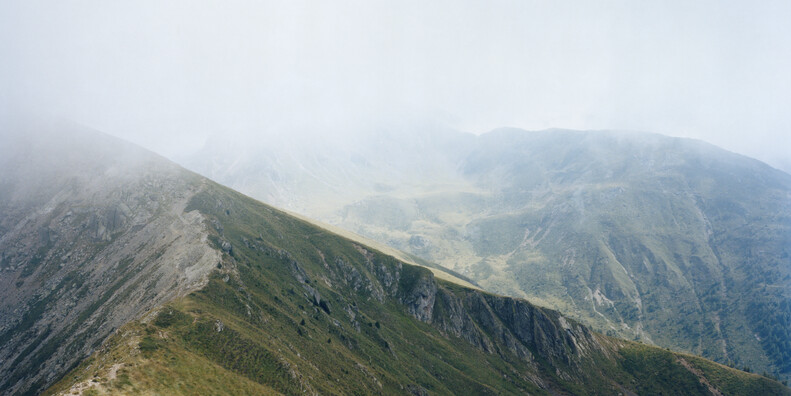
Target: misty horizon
[377,197]
[168,76]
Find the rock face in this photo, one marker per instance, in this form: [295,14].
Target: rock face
[89,241]
[419,296]
[491,323]
[494,324]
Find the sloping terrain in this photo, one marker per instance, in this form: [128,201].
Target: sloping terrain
[685,244]
[294,309]
[176,285]
[669,241]
[93,232]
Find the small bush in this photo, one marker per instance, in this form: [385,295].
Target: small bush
[169,316]
[148,345]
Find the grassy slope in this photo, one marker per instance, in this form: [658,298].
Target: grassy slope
[263,330]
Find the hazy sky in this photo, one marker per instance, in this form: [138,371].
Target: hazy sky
[168,73]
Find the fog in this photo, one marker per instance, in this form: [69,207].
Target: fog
[169,74]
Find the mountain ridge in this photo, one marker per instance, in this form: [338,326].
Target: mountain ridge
[76,238]
[274,304]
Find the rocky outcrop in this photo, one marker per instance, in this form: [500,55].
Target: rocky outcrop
[453,318]
[103,239]
[491,323]
[418,294]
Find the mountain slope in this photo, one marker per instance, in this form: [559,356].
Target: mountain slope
[670,241]
[213,292]
[92,233]
[681,241]
[300,310]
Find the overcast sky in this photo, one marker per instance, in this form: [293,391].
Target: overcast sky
[168,73]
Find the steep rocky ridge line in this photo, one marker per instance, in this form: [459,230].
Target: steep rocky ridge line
[87,248]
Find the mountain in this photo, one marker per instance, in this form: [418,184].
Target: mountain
[93,232]
[125,274]
[317,174]
[671,241]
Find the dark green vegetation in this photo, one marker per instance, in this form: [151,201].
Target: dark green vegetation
[292,308]
[668,241]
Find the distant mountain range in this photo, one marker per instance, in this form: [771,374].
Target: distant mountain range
[123,273]
[670,241]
